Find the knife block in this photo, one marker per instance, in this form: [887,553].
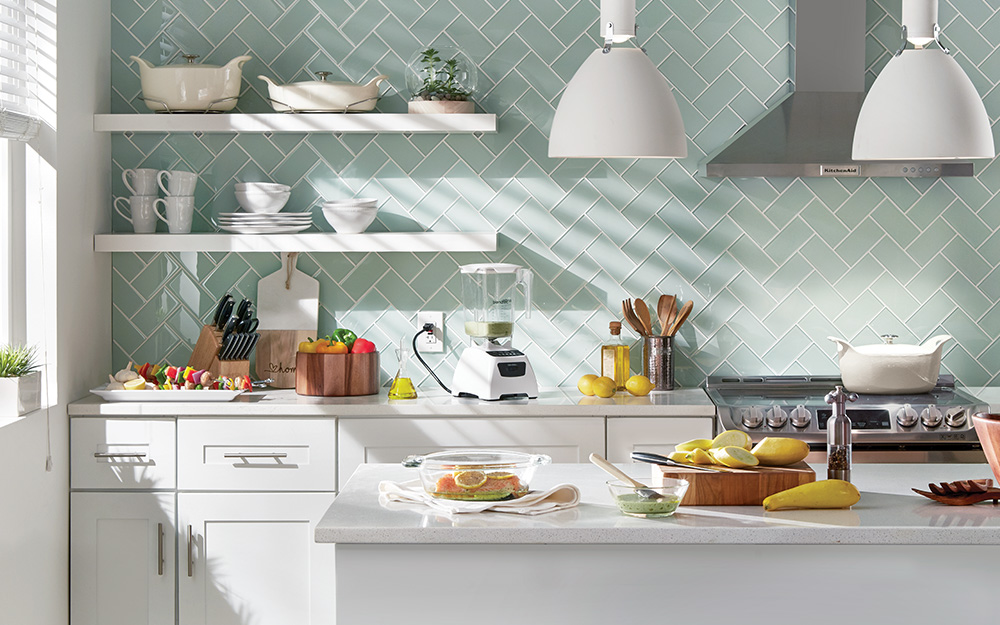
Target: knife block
[206,356]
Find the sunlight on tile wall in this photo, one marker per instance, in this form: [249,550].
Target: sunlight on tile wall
[773,266]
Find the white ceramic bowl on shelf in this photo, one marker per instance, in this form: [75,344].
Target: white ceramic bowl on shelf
[263,187]
[350,216]
[258,202]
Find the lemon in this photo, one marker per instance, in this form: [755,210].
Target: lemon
[778,452]
[135,384]
[822,494]
[694,443]
[733,438]
[734,457]
[585,384]
[470,479]
[603,387]
[700,456]
[680,456]
[638,385]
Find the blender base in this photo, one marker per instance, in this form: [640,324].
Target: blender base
[494,375]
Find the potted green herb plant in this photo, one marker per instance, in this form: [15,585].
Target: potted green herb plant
[20,380]
[441,81]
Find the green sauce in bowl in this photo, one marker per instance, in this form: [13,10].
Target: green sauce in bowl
[637,505]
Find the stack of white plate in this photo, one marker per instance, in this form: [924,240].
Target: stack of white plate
[263,223]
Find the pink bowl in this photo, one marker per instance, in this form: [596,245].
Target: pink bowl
[988,431]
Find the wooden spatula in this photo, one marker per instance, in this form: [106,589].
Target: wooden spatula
[666,308]
[681,318]
[642,311]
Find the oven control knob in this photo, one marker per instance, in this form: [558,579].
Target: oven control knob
[800,417]
[955,417]
[776,417]
[753,417]
[906,416]
[930,416]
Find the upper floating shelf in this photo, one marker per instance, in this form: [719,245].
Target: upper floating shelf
[300,242]
[300,122]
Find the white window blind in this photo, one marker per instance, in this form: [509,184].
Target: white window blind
[18,61]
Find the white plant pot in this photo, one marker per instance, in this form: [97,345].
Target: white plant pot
[441,106]
[19,396]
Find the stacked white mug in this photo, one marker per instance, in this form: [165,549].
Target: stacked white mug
[142,203]
[179,203]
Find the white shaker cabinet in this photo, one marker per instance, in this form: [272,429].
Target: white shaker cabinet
[566,439]
[656,435]
[251,558]
[231,543]
[122,561]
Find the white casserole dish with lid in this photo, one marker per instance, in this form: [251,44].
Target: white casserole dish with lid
[889,368]
[323,96]
[191,87]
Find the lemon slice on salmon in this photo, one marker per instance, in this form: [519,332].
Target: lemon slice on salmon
[470,480]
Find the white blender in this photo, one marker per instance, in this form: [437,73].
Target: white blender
[489,368]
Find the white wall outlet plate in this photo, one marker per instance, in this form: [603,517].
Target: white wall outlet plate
[431,342]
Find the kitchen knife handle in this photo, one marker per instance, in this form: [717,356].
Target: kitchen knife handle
[643,456]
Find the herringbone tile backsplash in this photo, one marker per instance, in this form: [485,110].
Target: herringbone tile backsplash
[773,266]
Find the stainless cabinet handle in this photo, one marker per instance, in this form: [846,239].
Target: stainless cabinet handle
[190,552]
[159,549]
[119,455]
[272,455]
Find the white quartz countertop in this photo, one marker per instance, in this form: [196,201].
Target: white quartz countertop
[689,402]
[888,514]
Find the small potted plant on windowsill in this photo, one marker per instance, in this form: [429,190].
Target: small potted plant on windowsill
[20,381]
[441,86]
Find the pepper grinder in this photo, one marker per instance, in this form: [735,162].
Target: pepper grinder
[838,435]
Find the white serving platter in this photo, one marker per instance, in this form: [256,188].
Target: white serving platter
[164,395]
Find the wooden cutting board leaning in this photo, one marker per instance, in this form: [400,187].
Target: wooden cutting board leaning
[735,487]
[288,309]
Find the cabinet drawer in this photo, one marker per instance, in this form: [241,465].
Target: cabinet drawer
[652,434]
[122,454]
[256,454]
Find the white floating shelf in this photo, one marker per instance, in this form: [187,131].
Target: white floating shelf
[307,242]
[300,122]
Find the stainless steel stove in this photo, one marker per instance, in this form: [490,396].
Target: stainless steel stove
[930,427]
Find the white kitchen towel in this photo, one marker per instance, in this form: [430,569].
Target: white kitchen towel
[536,502]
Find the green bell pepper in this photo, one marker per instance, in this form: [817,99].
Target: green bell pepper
[344,336]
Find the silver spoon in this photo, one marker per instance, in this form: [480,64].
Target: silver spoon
[640,489]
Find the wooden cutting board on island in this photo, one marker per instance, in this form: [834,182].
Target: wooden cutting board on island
[735,487]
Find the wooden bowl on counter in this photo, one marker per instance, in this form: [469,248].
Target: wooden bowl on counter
[336,375]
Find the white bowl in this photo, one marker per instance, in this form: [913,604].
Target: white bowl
[351,202]
[262,202]
[350,219]
[262,187]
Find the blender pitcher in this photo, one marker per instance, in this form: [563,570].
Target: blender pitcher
[490,368]
[488,297]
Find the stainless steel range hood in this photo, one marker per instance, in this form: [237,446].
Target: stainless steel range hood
[810,132]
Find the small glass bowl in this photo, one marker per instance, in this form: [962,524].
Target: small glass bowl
[630,502]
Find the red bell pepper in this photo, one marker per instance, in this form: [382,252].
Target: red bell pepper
[363,346]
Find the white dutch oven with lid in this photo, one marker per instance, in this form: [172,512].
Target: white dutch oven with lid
[888,368]
[323,96]
[191,87]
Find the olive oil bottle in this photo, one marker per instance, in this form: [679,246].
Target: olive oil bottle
[615,357]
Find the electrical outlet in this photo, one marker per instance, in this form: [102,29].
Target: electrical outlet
[431,342]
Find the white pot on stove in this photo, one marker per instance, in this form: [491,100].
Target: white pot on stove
[889,368]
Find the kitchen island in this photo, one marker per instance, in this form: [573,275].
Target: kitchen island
[895,557]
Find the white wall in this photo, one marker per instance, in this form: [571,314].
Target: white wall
[34,503]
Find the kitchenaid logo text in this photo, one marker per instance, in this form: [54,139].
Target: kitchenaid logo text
[839,170]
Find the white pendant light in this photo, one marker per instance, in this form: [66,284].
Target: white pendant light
[617,105]
[922,106]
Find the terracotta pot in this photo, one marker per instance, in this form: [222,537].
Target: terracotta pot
[441,106]
[336,375]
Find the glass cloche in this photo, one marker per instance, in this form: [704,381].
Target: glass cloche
[441,80]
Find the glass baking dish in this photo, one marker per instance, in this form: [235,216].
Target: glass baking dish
[477,474]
